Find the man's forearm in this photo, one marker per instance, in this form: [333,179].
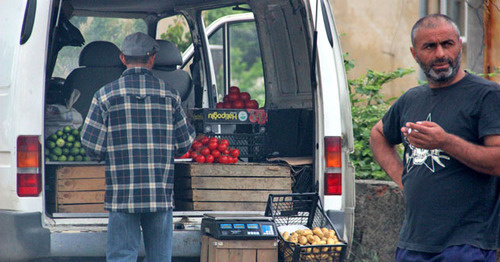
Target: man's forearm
[386,155]
[482,158]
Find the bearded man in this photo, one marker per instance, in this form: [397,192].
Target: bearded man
[450,173]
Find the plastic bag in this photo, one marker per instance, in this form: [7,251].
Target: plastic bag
[58,116]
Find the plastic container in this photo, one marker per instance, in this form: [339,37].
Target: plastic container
[250,145]
[303,209]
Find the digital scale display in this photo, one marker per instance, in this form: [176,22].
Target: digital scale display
[244,228]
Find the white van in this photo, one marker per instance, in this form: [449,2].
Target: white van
[290,61]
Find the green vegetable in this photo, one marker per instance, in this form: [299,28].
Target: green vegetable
[70,138]
[65,151]
[50,144]
[74,151]
[78,158]
[60,142]
[71,158]
[53,157]
[62,158]
[59,133]
[67,129]
[57,151]
[77,144]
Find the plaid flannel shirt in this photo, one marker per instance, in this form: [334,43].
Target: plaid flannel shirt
[137,125]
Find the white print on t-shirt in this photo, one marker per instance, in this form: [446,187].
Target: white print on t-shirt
[418,156]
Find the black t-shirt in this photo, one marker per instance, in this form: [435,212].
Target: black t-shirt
[446,202]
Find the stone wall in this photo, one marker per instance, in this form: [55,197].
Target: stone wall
[379,215]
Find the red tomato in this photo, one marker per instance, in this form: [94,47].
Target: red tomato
[221,147]
[219,105]
[186,155]
[200,159]
[244,96]
[209,159]
[234,89]
[224,141]
[213,139]
[212,145]
[225,98]
[234,96]
[196,145]
[227,105]
[252,104]
[234,153]
[193,154]
[238,104]
[223,159]
[205,151]
[225,152]
[234,160]
[204,140]
[215,153]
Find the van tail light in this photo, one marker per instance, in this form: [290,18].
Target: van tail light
[29,182]
[333,169]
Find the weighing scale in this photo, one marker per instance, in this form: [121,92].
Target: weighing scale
[238,226]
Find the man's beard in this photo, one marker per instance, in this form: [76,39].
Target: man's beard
[441,75]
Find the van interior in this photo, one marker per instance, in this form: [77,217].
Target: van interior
[259,57]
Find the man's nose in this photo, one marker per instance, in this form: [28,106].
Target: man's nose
[439,52]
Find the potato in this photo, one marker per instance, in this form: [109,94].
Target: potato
[318,232]
[302,240]
[308,232]
[300,232]
[316,238]
[310,238]
[330,241]
[286,235]
[293,239]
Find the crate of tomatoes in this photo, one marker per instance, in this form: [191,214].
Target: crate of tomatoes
[207,149]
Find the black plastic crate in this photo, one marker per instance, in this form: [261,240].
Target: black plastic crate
[303,209]
[250,145]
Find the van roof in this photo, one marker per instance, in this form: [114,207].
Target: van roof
[138,9]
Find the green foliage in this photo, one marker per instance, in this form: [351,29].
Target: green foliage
[175,34]
[368,106]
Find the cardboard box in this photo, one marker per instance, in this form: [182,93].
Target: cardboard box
[213,250]
[232,187]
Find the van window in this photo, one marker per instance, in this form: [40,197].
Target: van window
[176,30]
[236,57]
[12,18]
[94,29]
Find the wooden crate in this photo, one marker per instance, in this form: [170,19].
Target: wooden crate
[213,250]
[236,187]
[80,189]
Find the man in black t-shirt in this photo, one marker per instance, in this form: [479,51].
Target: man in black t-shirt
[450,174]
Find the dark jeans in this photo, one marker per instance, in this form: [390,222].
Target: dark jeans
[124,236]
[462,253]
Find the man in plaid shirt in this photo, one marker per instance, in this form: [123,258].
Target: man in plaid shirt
[136,125]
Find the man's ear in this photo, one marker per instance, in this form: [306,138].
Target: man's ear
[122,58]
[413,53]
[151,60]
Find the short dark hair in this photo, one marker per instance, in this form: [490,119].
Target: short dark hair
[430,24]
[137,59]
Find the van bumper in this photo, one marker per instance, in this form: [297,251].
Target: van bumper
[23,237]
